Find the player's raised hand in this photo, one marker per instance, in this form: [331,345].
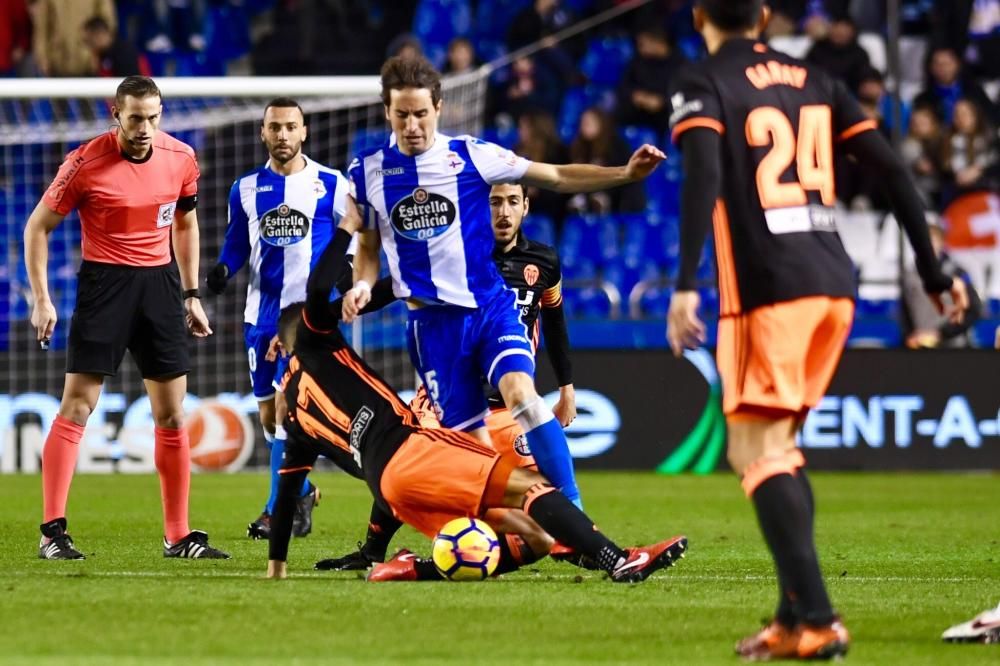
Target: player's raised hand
[356,298]
[644,161]
[43,318]
[684,329]
[959,303]
[196,319]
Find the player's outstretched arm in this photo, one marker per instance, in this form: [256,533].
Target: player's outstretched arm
[186,243]
[870,147]
[702,183]
[592,178]
[236,246]
[40,224]
[281,520]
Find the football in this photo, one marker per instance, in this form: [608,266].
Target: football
[466,549]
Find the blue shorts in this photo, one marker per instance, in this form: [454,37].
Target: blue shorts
[265,376]
[455,349]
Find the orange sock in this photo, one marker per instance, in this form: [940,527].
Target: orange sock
[62,447]
[173,462]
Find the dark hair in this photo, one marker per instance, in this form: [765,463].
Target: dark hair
[732,15]
[517,183]
[284,103]
[136,86]
[95,24]
[399,73]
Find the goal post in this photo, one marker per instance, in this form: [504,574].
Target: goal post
[43,119]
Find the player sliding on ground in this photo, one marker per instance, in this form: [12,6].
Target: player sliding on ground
[340,408]
[757,129]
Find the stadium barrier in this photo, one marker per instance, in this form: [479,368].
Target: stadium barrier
[887,409]
[639,409]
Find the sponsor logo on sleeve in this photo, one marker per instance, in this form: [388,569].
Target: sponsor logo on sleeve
[283,226]
[683,107]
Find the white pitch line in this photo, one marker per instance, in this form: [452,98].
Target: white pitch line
[678,577]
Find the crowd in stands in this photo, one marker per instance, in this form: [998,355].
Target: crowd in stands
[590,98]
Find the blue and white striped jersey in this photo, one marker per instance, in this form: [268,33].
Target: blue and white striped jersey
[281,224]
[432,211]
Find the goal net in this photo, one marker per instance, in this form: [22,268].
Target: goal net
[41,120]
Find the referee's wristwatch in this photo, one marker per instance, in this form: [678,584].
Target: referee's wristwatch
[191,293]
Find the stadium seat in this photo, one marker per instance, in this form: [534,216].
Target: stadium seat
[709,302]
[367,139]
[493,18]
[505,136]
[575,102]
[540,228]
[637,135]
[606,59]
[874,45]
[877,309]
[586,302]
[437,22]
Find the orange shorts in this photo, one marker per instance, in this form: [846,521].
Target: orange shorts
[780,358]
[508,439]
[438,475]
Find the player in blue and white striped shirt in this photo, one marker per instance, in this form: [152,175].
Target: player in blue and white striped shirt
[427,197]
[282,215]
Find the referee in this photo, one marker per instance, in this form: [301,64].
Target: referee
[135,189]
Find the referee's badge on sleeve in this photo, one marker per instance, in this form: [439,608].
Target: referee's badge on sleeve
[165,216]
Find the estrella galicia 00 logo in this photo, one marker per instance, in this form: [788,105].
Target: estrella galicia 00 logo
[423,215]
[283,226]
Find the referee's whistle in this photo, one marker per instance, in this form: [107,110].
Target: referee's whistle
[44,343]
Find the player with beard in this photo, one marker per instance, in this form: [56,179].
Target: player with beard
[282,216]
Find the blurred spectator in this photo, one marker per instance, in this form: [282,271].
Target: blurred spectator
[58,45]
[538,141]
[538,23]
[542,19]
[528,89]
[946,84]
[840,54]
[924,326]
[642,95]
[170,25]
[461,57]
[598,142]
[15,35]
[406,45]
[971,28]
[922,150]
[970,158]
[113,55]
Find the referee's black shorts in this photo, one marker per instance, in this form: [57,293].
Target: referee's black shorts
[128,307]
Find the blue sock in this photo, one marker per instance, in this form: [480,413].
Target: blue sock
[548,445]
[277,453]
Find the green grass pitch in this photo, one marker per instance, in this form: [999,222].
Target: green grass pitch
[905,556]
